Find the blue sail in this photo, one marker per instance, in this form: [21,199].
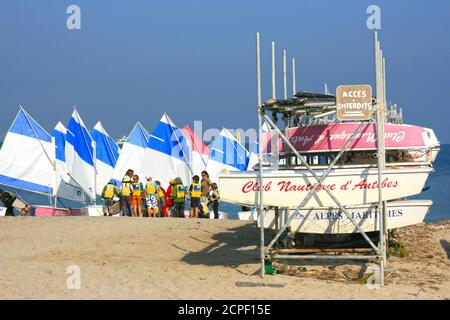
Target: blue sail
[79,155]
[106,154]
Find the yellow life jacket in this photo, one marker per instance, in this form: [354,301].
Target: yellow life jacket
[204,208]
[180,191]
[125,189]
[150,188]
[196,190]
[137,189]
[161,193]
[109,191]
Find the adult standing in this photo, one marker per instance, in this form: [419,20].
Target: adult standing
[205,183]
[126,190]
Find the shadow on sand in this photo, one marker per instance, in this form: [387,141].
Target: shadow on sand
[446,246]
[239,246]
[235,247]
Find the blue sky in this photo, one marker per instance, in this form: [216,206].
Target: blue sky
[195,60]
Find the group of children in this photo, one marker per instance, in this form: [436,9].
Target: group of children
[137,199]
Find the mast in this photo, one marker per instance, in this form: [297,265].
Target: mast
[260,159]
[284,76]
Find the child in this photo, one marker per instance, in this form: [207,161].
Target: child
[169,200]
[136,197]
[179,197]
[196,191]
[214,198]
[151,197]
[162,212]
[109,192]
[204,210]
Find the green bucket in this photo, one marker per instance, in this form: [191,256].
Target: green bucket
[268,267]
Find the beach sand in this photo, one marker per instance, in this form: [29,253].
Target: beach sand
[131,258]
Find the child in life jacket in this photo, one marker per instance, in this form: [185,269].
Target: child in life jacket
[195,191]
[204,210]
[179,198]
[136,196]
[151,197]
[109,192]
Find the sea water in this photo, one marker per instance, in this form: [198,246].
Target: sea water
[437,189]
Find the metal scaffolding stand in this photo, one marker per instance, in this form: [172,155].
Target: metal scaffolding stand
[379,251]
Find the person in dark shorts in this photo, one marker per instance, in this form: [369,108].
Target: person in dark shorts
[179,198]
[109,192]
[195,191]
[214,198]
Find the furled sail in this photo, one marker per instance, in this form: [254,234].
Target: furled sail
[27,156]
[106,153]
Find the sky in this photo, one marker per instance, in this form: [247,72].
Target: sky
[133,60]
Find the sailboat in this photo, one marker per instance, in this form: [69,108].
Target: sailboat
[27,157]
[64,189]
[199,151]
[226,155]
[106,153]
[168,153]
[28,160]
[80,156]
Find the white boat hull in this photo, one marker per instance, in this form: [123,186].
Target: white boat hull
[288,188]
[332,221]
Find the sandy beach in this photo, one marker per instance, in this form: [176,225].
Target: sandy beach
[124,258]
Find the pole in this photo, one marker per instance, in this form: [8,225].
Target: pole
[380,152]
[284,75]
[294,89]
[260,159]
[274,94]
[385,219]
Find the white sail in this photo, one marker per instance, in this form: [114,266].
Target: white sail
[106,154]
[168,153]
[64,189]
[80,157]
[254,158]
[199,151]
[132,154]
[27,157]
[227,154]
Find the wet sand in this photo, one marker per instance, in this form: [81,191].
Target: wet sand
[125,258]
